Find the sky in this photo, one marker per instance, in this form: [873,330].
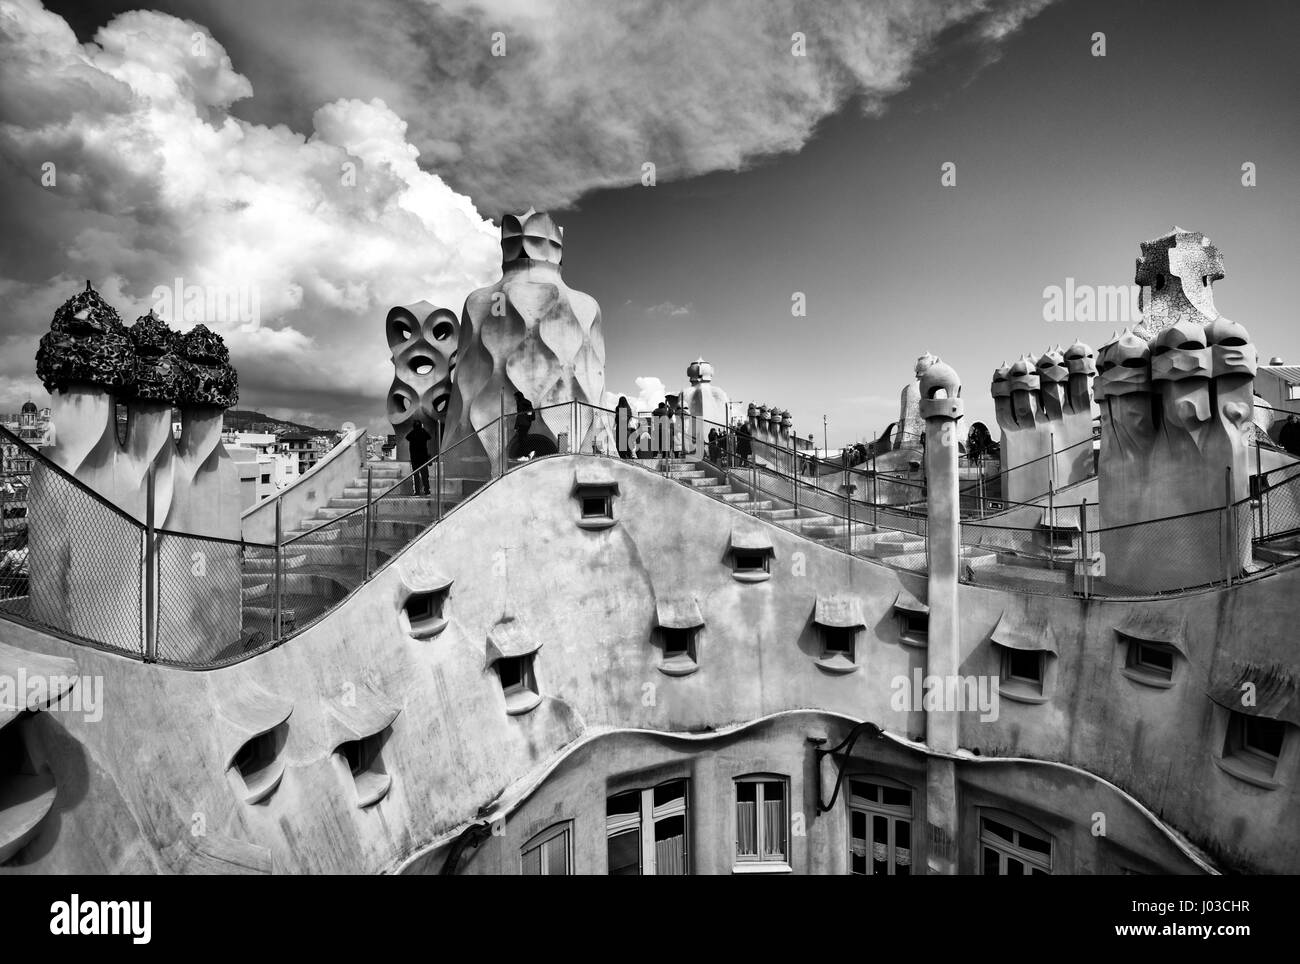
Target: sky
[209,140]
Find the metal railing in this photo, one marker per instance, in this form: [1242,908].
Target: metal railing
[86,569]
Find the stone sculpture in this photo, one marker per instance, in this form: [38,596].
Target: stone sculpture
[1177,417]
[1045,411]
[423,340]
[87,572]
[529,332]
[704,401]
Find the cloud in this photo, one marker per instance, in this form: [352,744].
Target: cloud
[172,163]
[650,391]
[155,180]
[540,102]
[666,309]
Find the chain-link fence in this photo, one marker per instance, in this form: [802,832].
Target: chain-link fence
[77,567]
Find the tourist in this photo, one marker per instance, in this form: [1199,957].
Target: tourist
[676,443]
[523,422]
[715,454]
[418,440]
[624,426]
[743,443]
[659,430]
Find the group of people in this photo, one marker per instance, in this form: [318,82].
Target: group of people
[662,435]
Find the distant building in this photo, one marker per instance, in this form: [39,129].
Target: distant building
[306,449]
[33,426]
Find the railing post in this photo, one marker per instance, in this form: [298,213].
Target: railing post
[150,574]
[365,552]
[279,569]
[1083,544]
[1229,524]
[501,431]
[437,491]
[1259,489]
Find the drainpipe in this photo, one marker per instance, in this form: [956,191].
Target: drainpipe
[942,408]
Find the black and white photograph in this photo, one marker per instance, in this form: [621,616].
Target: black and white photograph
[764,438]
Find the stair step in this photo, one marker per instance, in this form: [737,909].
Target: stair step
[773,515]
[753,505]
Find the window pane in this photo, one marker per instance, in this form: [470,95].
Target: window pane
[668,792]
[747,819]
[1026,666]
[902,847]
[999,829]
[774,828]
[1029,842]
[1156,657]
[670,847]
[1015,868]
[880,845]
[625,854]
[894,797]
[991,862]
[857,842]
[511,672]
[863,789]
[1263,735]
[557,855]
[623,803]
[532,863]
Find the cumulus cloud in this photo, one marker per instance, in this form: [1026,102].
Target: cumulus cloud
[155,180]
[538,102]
[650,391]
[213,149]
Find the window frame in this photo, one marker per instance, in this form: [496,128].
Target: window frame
[1010,849]
[524,694]
[1246,760]
[646,819]
[907,631]
[759,862]
[764,567]
[538,841]
[878,808]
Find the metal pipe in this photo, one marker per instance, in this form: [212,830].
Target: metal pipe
[365,553]
[1083,544]
[150,574]
[279,568]
[1228,522]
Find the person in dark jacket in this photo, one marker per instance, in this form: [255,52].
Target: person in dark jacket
[523,422]
[418,440]
[715,453]
[743,443]
[623,428]
[659,430]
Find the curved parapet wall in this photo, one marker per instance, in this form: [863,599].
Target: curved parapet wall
[440,712]
[530,333]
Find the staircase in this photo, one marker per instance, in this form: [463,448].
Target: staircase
[326,555]
[888,542]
